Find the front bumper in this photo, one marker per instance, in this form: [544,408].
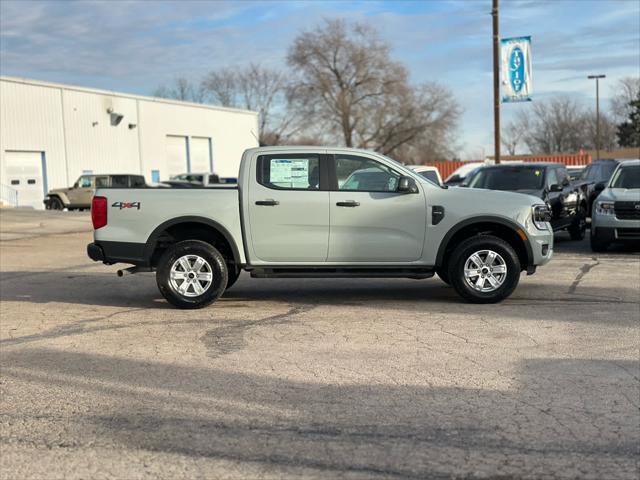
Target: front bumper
[541,242]
[612,229]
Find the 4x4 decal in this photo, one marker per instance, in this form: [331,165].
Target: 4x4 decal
[122,205]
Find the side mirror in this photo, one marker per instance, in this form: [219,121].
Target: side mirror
[75,185]
[565,182]
[407,185]
[555,188]
[599,187]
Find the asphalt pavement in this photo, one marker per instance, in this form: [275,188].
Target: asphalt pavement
[101,378]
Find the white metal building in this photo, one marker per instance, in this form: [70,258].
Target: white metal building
[50,134]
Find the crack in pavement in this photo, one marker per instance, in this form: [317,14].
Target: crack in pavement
[584,269]
[230,337]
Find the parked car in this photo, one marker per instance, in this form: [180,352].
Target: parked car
[547,181]
[459,175]
[594,178]
[322,212]
[428,172]
[191,180]
[616,216]
[575,172]
[78,197]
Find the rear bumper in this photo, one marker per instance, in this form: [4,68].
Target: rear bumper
[117,252]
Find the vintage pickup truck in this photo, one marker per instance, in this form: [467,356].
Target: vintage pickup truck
[322,212]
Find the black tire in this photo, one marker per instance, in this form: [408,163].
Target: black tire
[55,204]
[597,245]
[443,273]
[463,252]
[216,263]
[232,275]
[579,226]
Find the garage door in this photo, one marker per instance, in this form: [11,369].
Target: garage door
[176,147]
[200,153]
[23,173]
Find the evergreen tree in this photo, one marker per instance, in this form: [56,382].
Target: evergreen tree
[629,131]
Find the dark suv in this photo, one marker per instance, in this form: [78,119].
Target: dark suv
[547,181]
[594,179]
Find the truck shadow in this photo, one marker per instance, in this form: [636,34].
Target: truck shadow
[558,415]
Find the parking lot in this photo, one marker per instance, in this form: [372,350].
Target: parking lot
[312,378]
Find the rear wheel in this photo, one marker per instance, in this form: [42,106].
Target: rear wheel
[232,274]
[484,269]
[191,274]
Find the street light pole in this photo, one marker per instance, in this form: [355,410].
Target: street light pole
[496,82]
[597,79]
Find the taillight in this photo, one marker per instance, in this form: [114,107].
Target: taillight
[99,212]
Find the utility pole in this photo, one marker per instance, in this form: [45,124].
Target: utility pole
[496,82]
[597,79]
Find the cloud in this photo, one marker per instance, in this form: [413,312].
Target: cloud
[135,46]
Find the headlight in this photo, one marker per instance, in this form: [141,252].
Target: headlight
[604,208]
[541,216]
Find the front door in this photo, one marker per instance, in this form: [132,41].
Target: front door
[370,220]
[289,209]
[82,192]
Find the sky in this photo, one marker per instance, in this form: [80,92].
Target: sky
[134,47]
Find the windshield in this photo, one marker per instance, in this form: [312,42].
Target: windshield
[626,177]
[188,178]
[431,176]
[510,178]
[599,172]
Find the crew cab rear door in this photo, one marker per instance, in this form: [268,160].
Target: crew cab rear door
[370,220]
[289,208]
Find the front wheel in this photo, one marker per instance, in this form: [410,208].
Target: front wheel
[55,204]
[597,244]
[484,269]
[579,225]
[191,274]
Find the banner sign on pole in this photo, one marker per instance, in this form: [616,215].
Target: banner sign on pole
[516,69]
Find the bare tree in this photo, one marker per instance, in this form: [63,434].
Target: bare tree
[347,78]
[556,126]
[625,91]
[260,89]
[181,89]
[608,129]
[513,134]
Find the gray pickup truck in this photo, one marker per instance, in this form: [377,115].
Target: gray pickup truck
[322,212]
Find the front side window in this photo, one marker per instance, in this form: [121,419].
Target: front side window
[364,175]
[84,182]
[626,177]
[552,177]
[289,172]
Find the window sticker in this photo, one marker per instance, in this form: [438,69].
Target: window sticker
[293,173]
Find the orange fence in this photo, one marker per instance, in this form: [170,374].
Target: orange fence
[447,168]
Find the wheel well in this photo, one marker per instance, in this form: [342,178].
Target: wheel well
[193,231]
[504,232]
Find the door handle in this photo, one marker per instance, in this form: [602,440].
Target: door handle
[267,203]
[348,203]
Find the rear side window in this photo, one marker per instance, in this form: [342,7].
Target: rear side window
[289,172]
[102,182]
